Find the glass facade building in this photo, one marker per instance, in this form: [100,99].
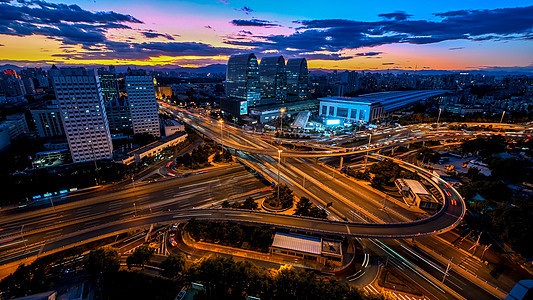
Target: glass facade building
[108,84]
[273,75]
[242,79]
[297,79]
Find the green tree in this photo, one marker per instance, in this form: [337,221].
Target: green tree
[173,265]
[217,157]
[101,261]
[140,257]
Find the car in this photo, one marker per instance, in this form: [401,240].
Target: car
[173,242]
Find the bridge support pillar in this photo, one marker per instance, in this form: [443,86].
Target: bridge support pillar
[342,160]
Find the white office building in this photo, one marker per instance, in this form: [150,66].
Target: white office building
[82,113]
[143,104]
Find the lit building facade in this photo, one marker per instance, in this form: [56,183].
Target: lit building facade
[48,121]
[82,113]
[273,77]
[297,79]
[119,115]
[242,79]
[108,85]
[143,104]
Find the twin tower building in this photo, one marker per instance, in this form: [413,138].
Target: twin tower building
[250,84]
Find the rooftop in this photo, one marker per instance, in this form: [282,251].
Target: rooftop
[157,143]
[416,187]
[297,243]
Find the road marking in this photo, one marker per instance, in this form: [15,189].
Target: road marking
[244,215]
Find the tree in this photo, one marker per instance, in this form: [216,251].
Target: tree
[140,256]
[286,197]
[217,157]
[303,206]
[101,261]
[173,265]
[249,203]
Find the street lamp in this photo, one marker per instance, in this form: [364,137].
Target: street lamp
[367,150]
[501,120]
[438,118]
[279,163]
[281,126]
[220,121]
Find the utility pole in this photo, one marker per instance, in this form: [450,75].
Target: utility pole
[52,201]
[447,269]
[279,163]
[135,209]
[221,121]
[95,165]
[484,250]
[476,244]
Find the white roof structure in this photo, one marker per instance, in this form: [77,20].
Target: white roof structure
[297,243]
[416,187]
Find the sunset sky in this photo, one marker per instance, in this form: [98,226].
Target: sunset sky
[334,34]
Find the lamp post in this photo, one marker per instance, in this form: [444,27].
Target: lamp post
[281,126]
[220,121]
[438,118]
[279,163]
[367,150]
[501,120]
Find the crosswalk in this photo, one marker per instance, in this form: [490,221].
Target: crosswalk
[372,290]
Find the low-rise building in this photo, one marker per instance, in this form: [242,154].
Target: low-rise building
[416,193]
[322,251]
[154,148]
[172,126]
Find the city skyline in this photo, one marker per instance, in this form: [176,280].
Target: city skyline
[454,35]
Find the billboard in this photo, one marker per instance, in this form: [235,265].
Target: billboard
[333,122]
[243,108]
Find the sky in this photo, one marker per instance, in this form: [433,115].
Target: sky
[330,34]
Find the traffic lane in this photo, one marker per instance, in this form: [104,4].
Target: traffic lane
[140,198]
[341,184]
[28,239]
[103,196]
[434,267]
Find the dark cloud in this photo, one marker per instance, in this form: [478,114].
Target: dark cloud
[142,51]
[151,35]
[245,9]
[245,32]
[398,16]
[321,56]
[254,22]
[456,48]
[335,35]
[209,27]
[388,63]
[67,23]
[368,53]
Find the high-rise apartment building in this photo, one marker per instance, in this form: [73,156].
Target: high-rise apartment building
[119,115]
[242,79]
[108,84]
[143,105]
[83,113]
[273,77]
[297,79]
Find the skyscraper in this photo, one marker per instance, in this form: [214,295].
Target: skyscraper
[109,85]
[83,113]
[297,79]
[143,105]
[273,76]
[242,79]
